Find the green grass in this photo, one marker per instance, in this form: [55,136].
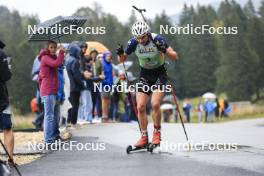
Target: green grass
[194,118]
[23,121]
[252,111]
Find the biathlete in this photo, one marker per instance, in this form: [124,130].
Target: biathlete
[151,49]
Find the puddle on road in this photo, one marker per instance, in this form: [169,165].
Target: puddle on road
[226,148]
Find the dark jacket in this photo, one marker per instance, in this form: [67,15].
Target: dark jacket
[5,75]
[73,69]
[89,82]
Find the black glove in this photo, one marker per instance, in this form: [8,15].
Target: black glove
[120,50]
[162,47]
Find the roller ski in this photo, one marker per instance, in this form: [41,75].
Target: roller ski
[141,145]
[155,140]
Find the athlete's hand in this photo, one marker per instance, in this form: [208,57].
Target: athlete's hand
[162,47]
[120,50]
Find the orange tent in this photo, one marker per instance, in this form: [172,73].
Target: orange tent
[93,45]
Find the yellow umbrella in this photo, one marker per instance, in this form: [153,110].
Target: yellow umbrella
[93,45]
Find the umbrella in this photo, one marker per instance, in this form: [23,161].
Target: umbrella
[93,45]
[209,95]
[55,28]
[167,106]
[169,98]
[128,64]
[130,76]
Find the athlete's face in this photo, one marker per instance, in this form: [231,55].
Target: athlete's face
[143,39]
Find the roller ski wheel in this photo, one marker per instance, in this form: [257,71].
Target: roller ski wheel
[130,148]
[151,147]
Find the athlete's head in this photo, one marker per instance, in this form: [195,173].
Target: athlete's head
[140,31]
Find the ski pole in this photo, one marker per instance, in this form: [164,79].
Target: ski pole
[18,172]
[132,99]
[173,91]
[141,12]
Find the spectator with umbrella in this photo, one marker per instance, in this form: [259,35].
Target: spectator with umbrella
[48,76]
[48,83]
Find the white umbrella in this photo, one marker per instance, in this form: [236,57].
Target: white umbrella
[166,106]
[169,98]
[128,64]
[209,95]
[131,77]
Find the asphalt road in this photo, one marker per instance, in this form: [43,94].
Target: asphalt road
[247,160]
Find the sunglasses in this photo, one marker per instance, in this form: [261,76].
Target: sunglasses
[141,37]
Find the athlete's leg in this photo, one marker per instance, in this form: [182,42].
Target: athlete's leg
[156,115]
[142,100]
[155,103]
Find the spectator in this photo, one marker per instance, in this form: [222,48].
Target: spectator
[38,122]
[76,78]
[209,111]
[108,82]
[48,83]
[227,108]
[187,109]
[200,110]
[222,107]
[85,108]
[121,98]
[97,69]
[217,107]
[86,99]
[60,97]
[5,110]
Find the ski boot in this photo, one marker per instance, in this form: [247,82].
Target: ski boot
[155,139]
[140,145]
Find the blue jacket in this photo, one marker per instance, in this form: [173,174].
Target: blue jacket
[209,107]
[108,70]
[60,93]
[73,68]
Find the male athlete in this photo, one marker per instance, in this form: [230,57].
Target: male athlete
[150,48]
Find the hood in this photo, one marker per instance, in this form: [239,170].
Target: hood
[74,50]
[105,54]
[44,52]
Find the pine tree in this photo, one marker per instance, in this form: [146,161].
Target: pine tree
[236,74]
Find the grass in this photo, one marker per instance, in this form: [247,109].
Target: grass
[22,121]
[194,118]
[249,111]
[239,112]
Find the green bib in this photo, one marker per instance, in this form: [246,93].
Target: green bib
[149,56]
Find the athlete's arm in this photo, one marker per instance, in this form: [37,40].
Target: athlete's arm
[123,54]
[170,53]
[163,47]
